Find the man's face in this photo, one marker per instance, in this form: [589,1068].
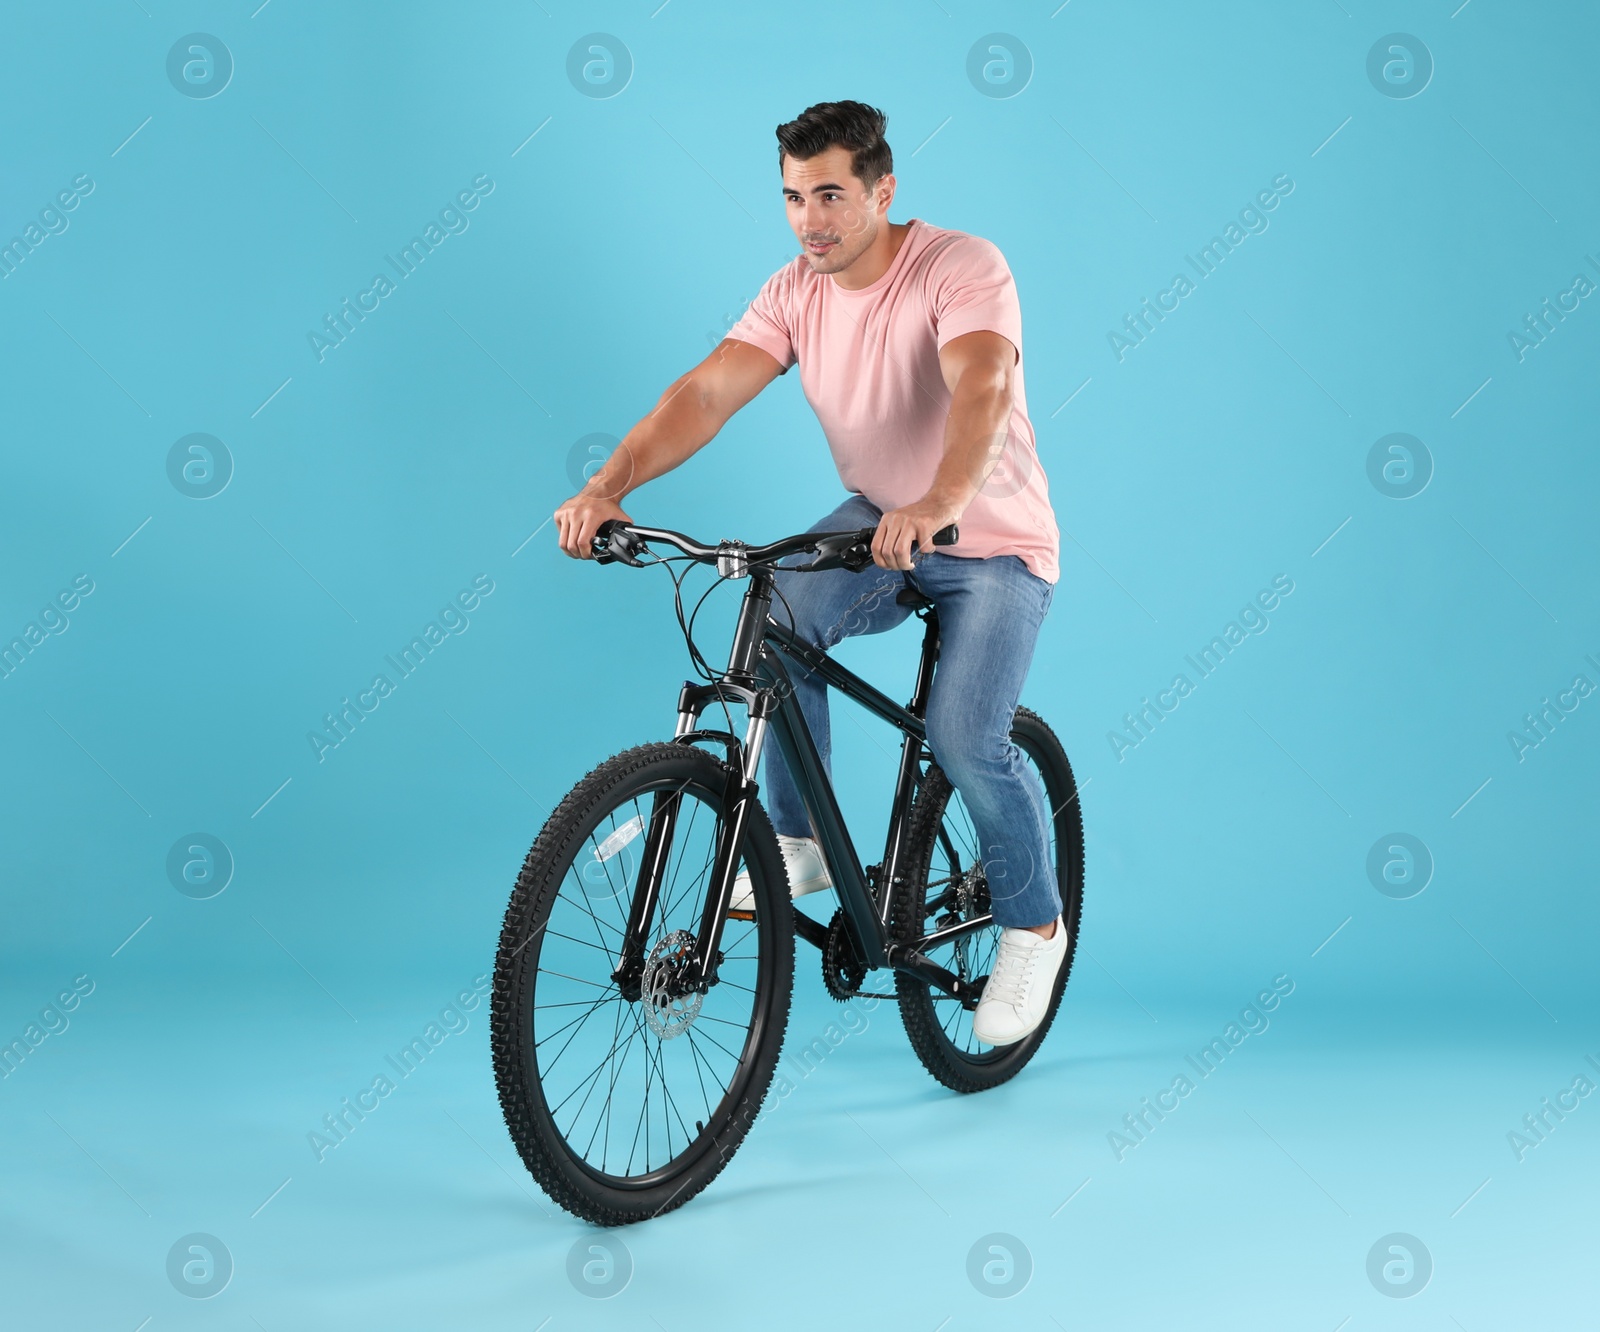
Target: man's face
[835,217]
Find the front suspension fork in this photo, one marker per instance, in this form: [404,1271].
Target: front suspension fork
[646,891]
[700,971]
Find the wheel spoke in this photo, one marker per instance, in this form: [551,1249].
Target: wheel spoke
[582,943]
[550,1067]
[699,1074]
[582,1017]
[591,1078]
[594,919]
[708,1036]
[666,1092]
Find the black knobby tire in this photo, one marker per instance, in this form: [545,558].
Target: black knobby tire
[553,990]
[939,1027]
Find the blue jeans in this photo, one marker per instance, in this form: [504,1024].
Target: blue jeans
[989,616]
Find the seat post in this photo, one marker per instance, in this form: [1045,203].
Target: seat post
[922,605]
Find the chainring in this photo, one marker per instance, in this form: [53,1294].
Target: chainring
[842,970]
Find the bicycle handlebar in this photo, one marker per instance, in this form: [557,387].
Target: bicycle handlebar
[617,540]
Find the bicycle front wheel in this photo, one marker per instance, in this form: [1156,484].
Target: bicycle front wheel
[626,1098]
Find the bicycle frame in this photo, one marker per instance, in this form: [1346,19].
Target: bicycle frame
[758,679]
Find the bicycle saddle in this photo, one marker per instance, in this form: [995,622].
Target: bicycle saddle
[913,596]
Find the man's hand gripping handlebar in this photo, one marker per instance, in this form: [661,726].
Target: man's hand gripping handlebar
[616,540]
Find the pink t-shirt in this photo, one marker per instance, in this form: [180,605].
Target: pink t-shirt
[869,365]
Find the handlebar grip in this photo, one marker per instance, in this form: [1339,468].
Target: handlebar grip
[858,555]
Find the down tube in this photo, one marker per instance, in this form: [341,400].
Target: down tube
[798,751]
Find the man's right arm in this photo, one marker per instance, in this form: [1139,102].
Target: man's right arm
[691,412]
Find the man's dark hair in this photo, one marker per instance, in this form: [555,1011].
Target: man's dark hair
[852,125]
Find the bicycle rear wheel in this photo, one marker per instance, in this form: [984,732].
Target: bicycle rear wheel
[625,1099]
[945,884]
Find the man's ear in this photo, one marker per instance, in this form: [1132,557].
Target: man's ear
[885,192]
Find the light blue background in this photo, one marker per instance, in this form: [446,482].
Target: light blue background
[617,244]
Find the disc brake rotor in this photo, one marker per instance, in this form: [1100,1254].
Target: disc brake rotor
[667,1009]
[972,884]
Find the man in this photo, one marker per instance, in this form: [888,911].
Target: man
[909,342]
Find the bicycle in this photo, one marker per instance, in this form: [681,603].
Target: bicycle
[619,934]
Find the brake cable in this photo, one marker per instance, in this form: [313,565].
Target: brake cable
[697,658]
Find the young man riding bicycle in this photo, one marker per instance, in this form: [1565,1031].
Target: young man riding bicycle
[909,342]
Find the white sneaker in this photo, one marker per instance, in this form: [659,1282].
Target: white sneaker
[1019,988]
[802,857]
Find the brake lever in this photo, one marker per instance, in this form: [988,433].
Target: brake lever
[837,552]
[612,542]
[854,553]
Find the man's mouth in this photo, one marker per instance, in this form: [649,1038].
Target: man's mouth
[820,246]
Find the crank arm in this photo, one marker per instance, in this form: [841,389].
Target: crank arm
[924,968]
[811,931]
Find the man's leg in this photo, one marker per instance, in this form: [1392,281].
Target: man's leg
[824,608]
[990,611]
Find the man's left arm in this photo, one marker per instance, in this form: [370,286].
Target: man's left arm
[978,369]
